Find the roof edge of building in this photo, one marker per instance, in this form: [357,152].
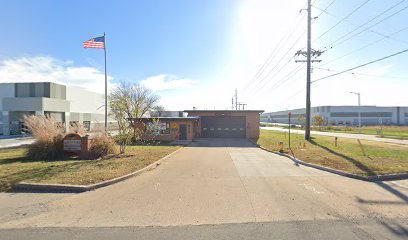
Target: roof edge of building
[169,118]
[224,110]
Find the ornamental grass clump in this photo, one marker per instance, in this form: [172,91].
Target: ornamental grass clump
[78,128]
[48,135]
[102,145]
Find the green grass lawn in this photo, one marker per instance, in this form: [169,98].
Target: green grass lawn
[15,167]
[397,132]
[380,158]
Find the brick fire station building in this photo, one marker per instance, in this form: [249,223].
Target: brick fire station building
[204,124]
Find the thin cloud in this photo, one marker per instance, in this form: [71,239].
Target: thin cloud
[167,82]
[48,69]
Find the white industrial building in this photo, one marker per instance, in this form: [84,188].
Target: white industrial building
[67,104]
[344,115]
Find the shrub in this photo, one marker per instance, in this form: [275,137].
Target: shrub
[328,128]
[46,150]
[102,145]
[48,134]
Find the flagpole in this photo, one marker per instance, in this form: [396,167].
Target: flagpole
[106,86]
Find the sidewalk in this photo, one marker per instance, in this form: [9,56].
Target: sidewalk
[343,135]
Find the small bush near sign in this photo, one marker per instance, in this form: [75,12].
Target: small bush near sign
[101,145]
[48,135]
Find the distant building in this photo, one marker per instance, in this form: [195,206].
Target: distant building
[344,115]
[67,104]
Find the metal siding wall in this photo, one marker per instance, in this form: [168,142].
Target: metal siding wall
[22,104]
[32,89]
[74,117]
[344,114]
[87,117]
[22,90]
[376,114]
[52,90]
[63,92]
[369,114]
[47,90]
[39,90]
[97,117]
[58,116]
[398,115]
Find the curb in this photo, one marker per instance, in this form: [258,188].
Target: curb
[67,188]
[390,177]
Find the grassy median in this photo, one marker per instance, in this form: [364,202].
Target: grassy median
[15,167]
[368,159]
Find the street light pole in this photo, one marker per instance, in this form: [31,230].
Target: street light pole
[359,112]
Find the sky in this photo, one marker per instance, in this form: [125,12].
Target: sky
[195,53]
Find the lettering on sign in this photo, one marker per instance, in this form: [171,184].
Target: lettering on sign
[72,145]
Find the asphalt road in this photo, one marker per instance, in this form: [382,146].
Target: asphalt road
[306,230]
[220,189]
[343,135]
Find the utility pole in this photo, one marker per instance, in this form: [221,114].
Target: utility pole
[308,54]
[236,99]
[243,106]
[309,67]
[232,103]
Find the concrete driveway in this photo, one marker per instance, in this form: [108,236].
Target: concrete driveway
[226,181]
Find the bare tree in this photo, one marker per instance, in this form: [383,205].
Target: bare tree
[159,110]
[319,121]
[301,120]
[128,102]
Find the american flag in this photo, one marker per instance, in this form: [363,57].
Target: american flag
[98,42]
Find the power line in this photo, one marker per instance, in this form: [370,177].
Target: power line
[277,47]
[363,74]
[343,19]
[267,76]
[283,80]
[261,70]
[262,81]
[270,58]
[284,55]
[287,77]
[362,25]
[327,7]
[338,42]
[291,96]
[362,65]
[364,46]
